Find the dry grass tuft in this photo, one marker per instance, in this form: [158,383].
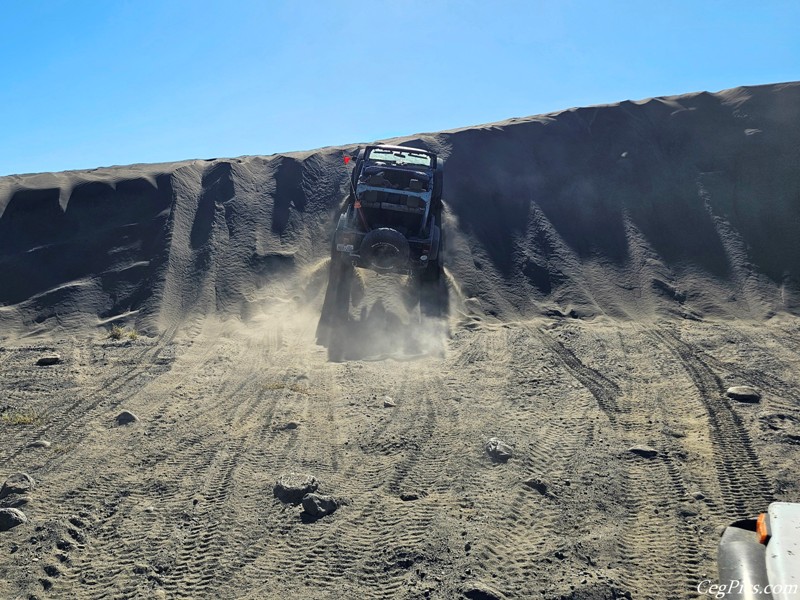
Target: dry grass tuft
[117,333]
[292,387]
[17,417]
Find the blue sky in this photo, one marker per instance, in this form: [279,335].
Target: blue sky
[89,84]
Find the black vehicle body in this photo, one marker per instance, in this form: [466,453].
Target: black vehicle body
[391,219]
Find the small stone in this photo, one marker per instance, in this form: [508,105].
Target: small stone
[11,517]
[48,359]
[318,505]
[14,501]
[643,451]
[674,433]
[498,450]
[287,426]
[388,402]
[409,496]
[126,417]
[39,444]
[743,393]
[479,592]
[18,483]
[291,487]
[538,485]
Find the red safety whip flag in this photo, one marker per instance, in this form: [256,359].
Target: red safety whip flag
[346,159]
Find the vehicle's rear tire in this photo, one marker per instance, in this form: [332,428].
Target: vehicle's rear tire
[433,298]
[336,306]
[385,249]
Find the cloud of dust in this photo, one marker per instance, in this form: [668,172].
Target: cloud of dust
[384,319]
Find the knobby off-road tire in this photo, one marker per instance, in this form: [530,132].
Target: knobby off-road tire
[433,298]
[336,306]
[384,249]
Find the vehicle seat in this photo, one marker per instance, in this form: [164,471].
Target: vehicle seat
[415,185]
[378,180]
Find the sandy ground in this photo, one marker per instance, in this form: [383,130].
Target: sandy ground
[181,505]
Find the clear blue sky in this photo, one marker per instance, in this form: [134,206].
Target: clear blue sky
[88,84]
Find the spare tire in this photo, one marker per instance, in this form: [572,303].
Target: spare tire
[384,249]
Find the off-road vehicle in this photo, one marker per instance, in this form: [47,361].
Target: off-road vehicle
[391,221]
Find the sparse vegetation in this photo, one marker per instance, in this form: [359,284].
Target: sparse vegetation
[292,387]
[18,417]
[117,333]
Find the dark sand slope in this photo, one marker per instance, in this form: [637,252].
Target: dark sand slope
[687,205]
[612,270]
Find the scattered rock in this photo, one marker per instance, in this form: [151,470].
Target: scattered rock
[39,444]
[11,517]
[287,426]
[126,417]
[674,433]
[48,359]
[479,592]
[410,496]
[538,485]
[699,496]
[388,402]
[318,505]
[18,483]
[743,393]
[498,450]
[14,501]
[643,451]
[291,487]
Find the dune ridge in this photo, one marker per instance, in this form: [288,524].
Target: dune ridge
[685,205]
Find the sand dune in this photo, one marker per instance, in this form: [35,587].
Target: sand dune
[611,271]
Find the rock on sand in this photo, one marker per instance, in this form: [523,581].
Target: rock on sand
[743,393]
[126,417]
[318,505]
[643,451]
[18,483]
[498,450]
[48,359]
[291,487]
[11,517]
[39,444]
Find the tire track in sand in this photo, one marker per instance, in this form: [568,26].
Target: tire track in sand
[603,389]
[62,421]
[743,485]
[378,536]
[187,465]
[654,540]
